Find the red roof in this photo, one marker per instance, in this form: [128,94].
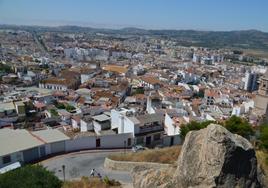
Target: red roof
[39,105]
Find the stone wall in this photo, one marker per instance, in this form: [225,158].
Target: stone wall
[128,166]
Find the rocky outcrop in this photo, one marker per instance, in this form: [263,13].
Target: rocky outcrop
[153,177]
[215,157]
[211,157]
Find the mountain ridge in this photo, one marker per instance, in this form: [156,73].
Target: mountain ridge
[244,39]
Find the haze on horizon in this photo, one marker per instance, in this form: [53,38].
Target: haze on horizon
[148,14]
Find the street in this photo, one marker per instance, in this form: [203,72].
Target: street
[81,163]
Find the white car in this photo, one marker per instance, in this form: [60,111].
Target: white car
[138,148]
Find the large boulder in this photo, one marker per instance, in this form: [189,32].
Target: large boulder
[152,177]
[214,157]
[211,157]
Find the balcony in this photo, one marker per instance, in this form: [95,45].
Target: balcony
[155,127]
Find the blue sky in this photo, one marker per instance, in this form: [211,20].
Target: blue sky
[149,14]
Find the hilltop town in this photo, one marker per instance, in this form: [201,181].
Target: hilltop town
[64,91]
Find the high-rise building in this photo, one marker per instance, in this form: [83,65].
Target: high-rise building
[251,82]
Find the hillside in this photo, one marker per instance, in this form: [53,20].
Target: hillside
[245,39]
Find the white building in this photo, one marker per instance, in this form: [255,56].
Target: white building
[147,129]
[250,81]
[101,122]
[171,126]
[31,146]
[23,146]
[86,123]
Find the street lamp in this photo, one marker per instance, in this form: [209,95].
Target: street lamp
[63,171]
[125,145]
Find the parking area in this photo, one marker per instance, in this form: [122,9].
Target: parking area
[81,163]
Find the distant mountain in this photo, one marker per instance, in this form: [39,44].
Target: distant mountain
[245,39]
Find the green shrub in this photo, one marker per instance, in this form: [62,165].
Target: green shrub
[193,125]
[239,126]
[31,176]
[109,182]
[60,105]
[69,108]
[264,136]
[54,113]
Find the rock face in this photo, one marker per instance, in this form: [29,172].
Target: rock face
[214,157]
[152,178]
[211,157]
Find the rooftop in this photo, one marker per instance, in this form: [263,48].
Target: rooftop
[17,140]
[101,117]
[116,68]
[50,135]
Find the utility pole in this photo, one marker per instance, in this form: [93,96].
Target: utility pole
[125,145]
[63,171]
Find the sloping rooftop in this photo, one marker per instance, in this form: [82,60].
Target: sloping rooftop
[115,68]
[150,80]
[16,140]
[51,135]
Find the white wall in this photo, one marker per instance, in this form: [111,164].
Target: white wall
[128,126]
[115,141]
[85,78]
[169,128]
[89,142]
[81,143]
[236,111]
[84,126]
[115,119]
[97,127]
[74,124]
[48,149]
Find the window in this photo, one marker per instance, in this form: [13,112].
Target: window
[139,140]
[6,159]
[98,142]
[129,141]
[156,137]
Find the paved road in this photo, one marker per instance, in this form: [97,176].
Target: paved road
[80,164]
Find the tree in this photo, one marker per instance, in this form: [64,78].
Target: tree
[54,112]
[32,176]
[5,68]
[60,105]
[193,125]
[239,126]
[69,108]
[139,90]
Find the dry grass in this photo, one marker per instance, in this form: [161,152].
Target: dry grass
[262,158]
[256,53]
[86,182]
[165,155]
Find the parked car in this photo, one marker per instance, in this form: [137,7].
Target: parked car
[138,148]
[159,146]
